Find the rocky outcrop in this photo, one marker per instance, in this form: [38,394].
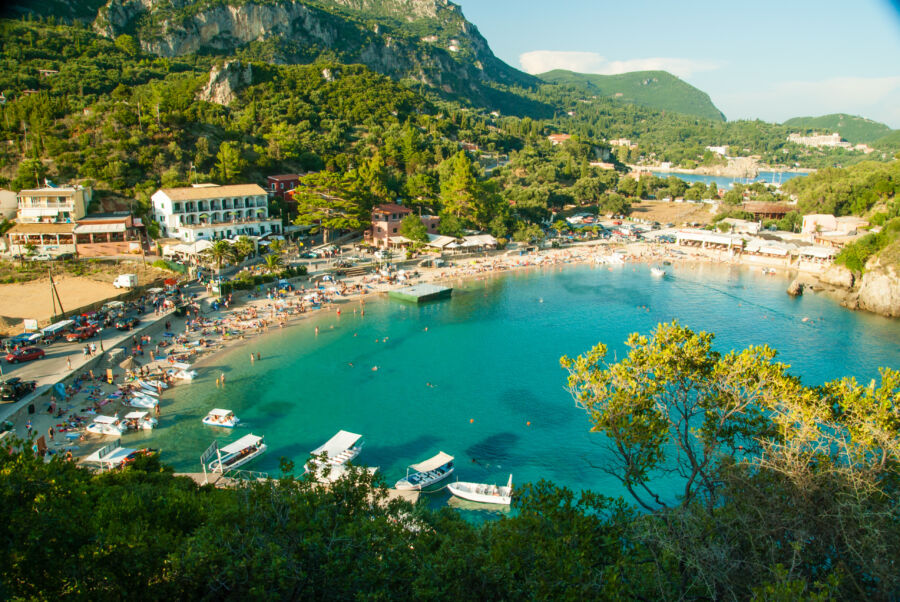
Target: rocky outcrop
[302,31]
[837,276]
[796,288]
[879,290]
[225,81]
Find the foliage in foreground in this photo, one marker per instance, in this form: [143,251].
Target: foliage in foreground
[787,492]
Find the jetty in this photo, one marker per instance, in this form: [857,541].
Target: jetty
[419,293]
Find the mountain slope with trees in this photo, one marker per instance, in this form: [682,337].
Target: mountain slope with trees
[658,90]
[857,130]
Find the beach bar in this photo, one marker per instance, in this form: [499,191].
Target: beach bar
[419,293]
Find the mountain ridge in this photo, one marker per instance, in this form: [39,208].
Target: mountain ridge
[852,128]
[654,89]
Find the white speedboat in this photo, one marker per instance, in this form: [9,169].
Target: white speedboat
[153,385]
[427,473]
[236,454]
[223,418]
[146,392]
[339,450]
[482,492]
[658,272]
[143,401]
[183,371]
[107,425]
[139,421]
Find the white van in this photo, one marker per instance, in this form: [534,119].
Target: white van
[125,281]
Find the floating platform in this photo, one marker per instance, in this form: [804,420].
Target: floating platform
[419,293]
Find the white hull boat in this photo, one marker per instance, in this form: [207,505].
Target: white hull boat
[242,451]
[109,426]
[658,272]
[139,421]
[482,492]
[153,385]
[143,401]
[222,418]
[427,473]
[339,450]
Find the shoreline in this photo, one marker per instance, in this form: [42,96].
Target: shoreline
[260,315]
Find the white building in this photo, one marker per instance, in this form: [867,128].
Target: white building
[213,212]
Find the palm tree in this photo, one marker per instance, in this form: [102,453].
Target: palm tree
[244,248]
[220,252]
[276,247]
[273,261]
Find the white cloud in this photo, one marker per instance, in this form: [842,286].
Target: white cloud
[872,97]
[540,61]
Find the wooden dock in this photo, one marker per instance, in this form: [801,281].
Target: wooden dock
[419,293]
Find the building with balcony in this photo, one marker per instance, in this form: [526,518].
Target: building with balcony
[117,233]
[386,223]
[280,185]
[52,205]
[210,212]
[44,238]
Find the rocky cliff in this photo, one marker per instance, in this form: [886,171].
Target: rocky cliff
[425,40]
[877,290]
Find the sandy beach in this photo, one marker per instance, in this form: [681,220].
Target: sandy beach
[200,337]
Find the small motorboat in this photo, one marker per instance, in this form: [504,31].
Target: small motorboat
[483,493]
[238,453]
[339,450]
[107,425]
[427,473]
[658,272]
[143,401]
[139,421]
[220,417]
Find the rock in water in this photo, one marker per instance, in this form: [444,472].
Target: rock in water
[879,290]
[796,288]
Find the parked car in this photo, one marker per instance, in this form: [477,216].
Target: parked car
[15,388]
[81,334]
[127,322]
[41,257]
[65,256]
[25,355]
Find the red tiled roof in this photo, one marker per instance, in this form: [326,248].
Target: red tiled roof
[393,208]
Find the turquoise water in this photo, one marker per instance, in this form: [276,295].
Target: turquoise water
[769,177]
[488,364]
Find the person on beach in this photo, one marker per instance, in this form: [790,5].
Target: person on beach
[252,358]
[257,355]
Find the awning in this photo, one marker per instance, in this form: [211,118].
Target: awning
[113,458]
[436,462]
[241,444]
[99,228]
[135,415]
[105,419]
[55,328]
[217,411]
[440,241]
[399,240]
[337,444]
[820,252]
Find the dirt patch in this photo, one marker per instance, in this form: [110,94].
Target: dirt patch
[32,299]
[674,213]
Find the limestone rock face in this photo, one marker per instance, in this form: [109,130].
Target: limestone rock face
[796,288]
[879,290]
[224,82]
[838,276]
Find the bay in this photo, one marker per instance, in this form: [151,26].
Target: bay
[723,182]
[467,376]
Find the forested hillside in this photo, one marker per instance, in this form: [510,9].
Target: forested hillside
[857,130]
[655,89]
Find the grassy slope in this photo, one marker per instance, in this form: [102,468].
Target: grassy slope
[656,89]
[851,128]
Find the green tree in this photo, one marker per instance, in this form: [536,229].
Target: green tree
[220,253]
[412,228]
[589,190]
[459,189]
[229,163]
[328,201]
[614,204]
[273,262]
[528,233]
[560,226]
[243,248]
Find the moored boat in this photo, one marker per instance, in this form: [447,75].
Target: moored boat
[106,425]
[139,400]
[658,272]
[138,421]
[483,492]
[427,472]
[237,454]
[339,450]
[220,417]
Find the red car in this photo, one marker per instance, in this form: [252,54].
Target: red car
[81,334]
[24,355]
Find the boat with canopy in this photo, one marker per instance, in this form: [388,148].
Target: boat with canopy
[339,450]
[236,454]
[426,473]
[220,417]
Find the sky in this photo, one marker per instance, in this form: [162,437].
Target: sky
[766,59]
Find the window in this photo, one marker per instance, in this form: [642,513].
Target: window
[395,230]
